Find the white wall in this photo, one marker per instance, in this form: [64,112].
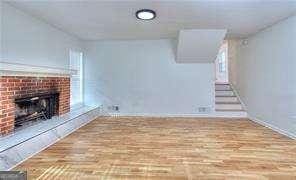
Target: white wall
[266,76]
[28,40]
[233,45]
[1,14]
[142,77]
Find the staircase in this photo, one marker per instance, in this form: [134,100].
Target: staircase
[227,102]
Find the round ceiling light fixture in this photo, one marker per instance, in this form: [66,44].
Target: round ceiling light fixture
[145,14]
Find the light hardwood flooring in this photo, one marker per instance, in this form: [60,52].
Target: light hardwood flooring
[167,148]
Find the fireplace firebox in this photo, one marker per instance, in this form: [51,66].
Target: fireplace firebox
[35,107]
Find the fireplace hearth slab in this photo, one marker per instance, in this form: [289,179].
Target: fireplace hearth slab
[24,143]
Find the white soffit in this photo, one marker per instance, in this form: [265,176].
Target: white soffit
[199,45]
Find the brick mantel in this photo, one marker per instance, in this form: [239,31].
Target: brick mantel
[12,87]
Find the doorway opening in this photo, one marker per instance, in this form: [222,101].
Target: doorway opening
[221,63]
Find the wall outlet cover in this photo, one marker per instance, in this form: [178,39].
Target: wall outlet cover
[204,109]
[113,108]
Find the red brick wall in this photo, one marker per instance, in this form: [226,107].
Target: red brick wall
[12,87]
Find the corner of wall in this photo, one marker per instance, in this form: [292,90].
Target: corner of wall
[272,127]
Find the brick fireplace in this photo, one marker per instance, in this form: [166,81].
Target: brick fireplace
[13,87]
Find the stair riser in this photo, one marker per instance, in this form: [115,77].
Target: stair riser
[242,114]
[229,106]
[224,93]
[222,87]
[226,99]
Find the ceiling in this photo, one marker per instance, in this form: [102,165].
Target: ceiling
[95,20]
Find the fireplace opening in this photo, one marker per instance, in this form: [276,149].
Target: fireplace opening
[35,107]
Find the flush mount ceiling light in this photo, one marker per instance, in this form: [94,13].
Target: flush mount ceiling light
[145,14]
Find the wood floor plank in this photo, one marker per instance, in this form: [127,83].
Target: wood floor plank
[167,148]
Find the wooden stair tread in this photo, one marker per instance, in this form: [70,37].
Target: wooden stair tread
[225,96]
[223,89]
[222,83]
[236,110]
[224,102]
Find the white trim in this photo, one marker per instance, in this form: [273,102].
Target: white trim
[79,75]
[238,97]
[82,76]
[18,69]
[214,115]
[261,122]
[274,128]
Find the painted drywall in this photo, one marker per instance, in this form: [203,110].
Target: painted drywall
[143,78]
[266,76]
[1,30]
[28,40]
[199,45]
[232,60]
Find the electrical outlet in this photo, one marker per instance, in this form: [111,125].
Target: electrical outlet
[204,109]
[201,109]
[113,108]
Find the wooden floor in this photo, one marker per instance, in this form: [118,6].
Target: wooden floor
[167,148]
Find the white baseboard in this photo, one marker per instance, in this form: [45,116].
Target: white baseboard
[263,123]
[212,115]
[274,128]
